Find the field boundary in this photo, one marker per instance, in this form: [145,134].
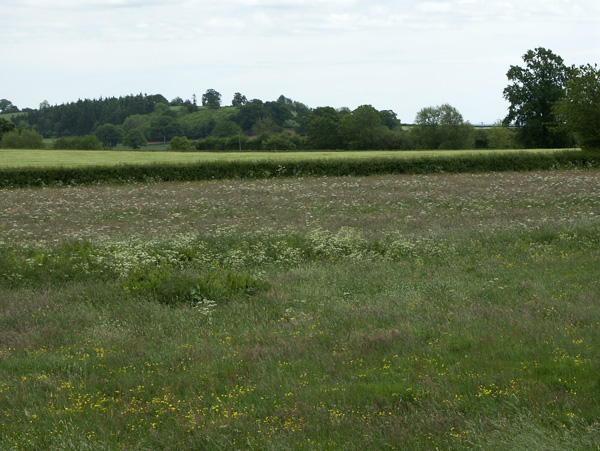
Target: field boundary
[215,170]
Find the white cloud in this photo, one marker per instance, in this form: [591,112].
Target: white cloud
[396,54]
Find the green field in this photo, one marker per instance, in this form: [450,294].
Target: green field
[73,158]
[448,311]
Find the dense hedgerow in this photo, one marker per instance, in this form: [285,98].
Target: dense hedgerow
[22,177]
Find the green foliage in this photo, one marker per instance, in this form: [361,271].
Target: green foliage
[89,142]
[81,117]
[441,127]
[389,119]
[6,106]
[532,92]
[211,99]
[163,127]
[281,141]
[202,123]
[360,130]
[501,137]
[226,129]
[135,139]
[239,99]
[110,135]
[6,127]
[168,285]
[279,112]
[250,113]
[322,128]
[579,111]
[136,121]
[264,126]
[181,144]
[25,139]
[213,170]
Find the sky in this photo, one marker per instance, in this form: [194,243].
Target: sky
[393,54]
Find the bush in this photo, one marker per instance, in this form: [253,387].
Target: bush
[181,144]
[26,139]
[500,137]
[88,142]
[279,142]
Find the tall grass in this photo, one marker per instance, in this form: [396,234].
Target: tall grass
[465,320]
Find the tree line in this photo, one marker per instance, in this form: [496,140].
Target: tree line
[551,106]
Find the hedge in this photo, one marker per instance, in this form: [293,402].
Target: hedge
[495,162]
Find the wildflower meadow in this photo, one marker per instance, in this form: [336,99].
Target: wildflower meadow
[443,311]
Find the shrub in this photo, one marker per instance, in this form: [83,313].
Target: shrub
[26,139]
[500,137]
[181,144]
[278,142]
[88,142]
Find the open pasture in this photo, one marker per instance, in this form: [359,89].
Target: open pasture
[77,158]
[454,311]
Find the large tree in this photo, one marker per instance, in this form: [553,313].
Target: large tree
[323,130]
[239,99]
[6,106]
[579,111]
[110,135]
[441,127]
[135,139]
[532,92]
[211,99]
[163,127]
[360,129]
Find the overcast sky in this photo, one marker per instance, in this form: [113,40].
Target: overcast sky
[393,54]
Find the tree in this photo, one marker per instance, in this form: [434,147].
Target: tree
[441,127]
[135,121]
[389,119]
[6,126]
[110,135]
[135,139]
[579,111]
[211,99]
[225,129]
[6,106]
[501,137]
[279,112]
[532,93]
[250,113]
[164,127]
[239,99]
[360,130]
[323,131]
[264,126]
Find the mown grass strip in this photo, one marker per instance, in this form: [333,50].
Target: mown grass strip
[214,170]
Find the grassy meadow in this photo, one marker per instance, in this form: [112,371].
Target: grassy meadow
[17,158]
[446,311]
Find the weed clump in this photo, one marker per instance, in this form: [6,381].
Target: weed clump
[171,286]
